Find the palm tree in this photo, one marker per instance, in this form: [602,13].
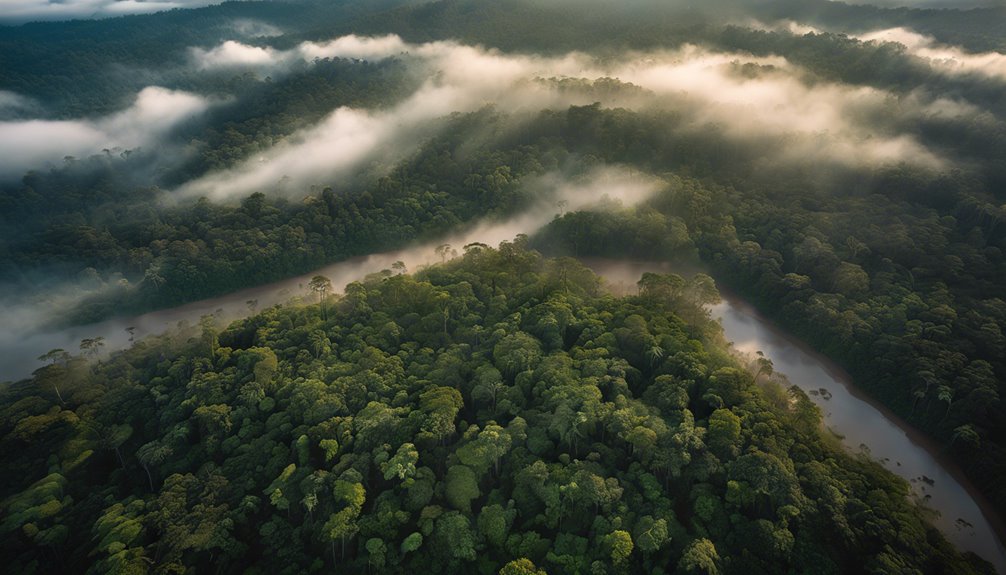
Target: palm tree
[655,353]
[152,454]
[945,394]
[966,433]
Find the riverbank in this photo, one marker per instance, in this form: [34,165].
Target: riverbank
[914,435]
[860,420]
[872,422]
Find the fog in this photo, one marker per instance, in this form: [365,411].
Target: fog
[15,106]
[748,98]
[18,11]
[247,28]
[232,54]
[928,4]
[23,333]
[26,144]
[946,58]
[459,79]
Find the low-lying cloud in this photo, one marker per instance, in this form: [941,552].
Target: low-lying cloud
[233,54]
[23,335]
[363,47]
[15,11]
[928,4]
[947,58]
[460,79]
[27,144]
[248,28]
[748,98]
[14,106]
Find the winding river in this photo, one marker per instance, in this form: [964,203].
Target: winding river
[861,425]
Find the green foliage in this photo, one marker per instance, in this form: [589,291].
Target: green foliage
[700,558]
[370,459]
[522,566]
[461,487]
[620,546]
[411,543]
[402,465]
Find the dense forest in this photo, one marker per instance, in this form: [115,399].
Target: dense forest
[497,413]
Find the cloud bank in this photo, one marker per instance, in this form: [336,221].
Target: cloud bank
[460,79]
[947,58]
[16,11]
[14,105]
[27,144]
[233,54]
[748,98]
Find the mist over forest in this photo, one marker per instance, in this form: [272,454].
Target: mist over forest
[484,402]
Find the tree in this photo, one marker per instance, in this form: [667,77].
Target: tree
[700,558]
[441,406]
[522,566]
[488,384]
[53,356]
[455,537]
[516,353]
[486,450]
[376,550]
[111,437]
[209,333]
[662,287]
[445,250]
[945,394]
[411,543]
[850,279]
[701,291]
[342,524]
[402,465]
[494,524]
[321,285]
[967,434]
[724,433]
[151,455]
[461,487]
[91,347]
[619,546]
[651,534]
[765,367]
[319,343]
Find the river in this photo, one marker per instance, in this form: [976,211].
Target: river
[861,425]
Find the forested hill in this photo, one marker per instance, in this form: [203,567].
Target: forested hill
[839,166]
[495,414]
